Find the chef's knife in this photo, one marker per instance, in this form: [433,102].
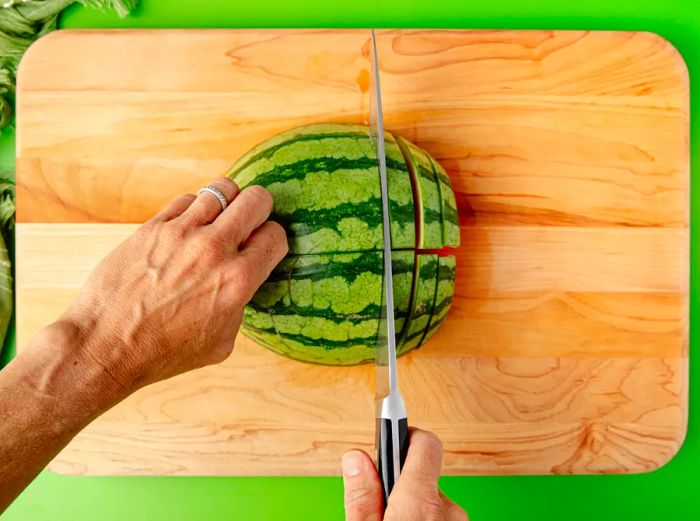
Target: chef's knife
[392,425]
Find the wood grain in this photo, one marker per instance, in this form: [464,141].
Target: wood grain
[566,348]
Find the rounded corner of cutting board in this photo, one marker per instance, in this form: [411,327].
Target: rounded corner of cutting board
[675,54]
[39,47]
[665,457]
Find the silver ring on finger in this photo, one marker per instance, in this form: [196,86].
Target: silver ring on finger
[211,189]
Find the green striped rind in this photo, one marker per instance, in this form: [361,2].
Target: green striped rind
[424,299]
[427,194]
[271,145]
[443,295]
[325,185]
[402,274]
[349,354]
[450,217]
[403,223]
[325,308]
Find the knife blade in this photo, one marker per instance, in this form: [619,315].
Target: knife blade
[391,419]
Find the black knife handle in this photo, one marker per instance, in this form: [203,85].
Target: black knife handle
[385,451]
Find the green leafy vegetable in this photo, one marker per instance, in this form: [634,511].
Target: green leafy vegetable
[7,208]
[6,300]
[22,22]
[7,227]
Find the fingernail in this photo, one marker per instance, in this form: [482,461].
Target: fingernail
[352,463]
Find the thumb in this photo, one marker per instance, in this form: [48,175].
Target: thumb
[363,489]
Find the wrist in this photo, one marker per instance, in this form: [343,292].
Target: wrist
[65,365]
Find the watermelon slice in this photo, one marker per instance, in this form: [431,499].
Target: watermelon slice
[426,194]
[423,301]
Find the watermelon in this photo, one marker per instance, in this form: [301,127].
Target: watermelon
[427,195]
[424,301]
[325,308]
[323,179]
[448,206]
[322,303]
[443,294]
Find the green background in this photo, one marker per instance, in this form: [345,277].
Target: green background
[667,493]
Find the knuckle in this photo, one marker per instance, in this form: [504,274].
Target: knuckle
[175,231]
[208,250]
[277,230]
[279,237]
[244,275]
[358,496]
[185,198]
[227,181]
[261,194]
[361,502]
[432,443]
[226,185]
[147,228]
[211,240]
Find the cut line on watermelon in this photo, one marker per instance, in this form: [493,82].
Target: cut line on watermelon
[415,189]
[447,251]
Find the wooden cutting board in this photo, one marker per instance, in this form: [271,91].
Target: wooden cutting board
[566,348]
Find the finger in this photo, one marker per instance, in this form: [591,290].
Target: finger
[207,207]
[265,248]
[174,208]
[363,490]
[250,209]
[424,459]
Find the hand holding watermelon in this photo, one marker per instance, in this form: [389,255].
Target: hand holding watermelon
[170,298]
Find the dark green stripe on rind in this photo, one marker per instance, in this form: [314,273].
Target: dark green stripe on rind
[427,269]
[432,329]
[328,166]
[443,295]
[348,355]
[401,200]
[427,195]
[326,190]
[311,285]
[345,284]
[270,151]
[324,308]
[369,312]
[292,327]
[402,265]
[291,135]
[318,267]
[450,216]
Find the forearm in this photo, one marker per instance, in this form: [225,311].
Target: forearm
[49,392]
[167,300]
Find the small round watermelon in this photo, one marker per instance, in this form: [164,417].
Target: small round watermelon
[322,303]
